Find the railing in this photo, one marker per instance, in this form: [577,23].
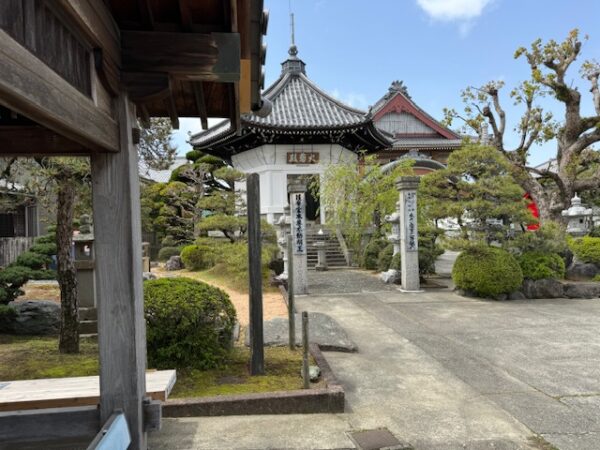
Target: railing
[12,247]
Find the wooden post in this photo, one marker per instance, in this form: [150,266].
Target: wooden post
[290,291]
[305,370]
[118,248]
[255,275]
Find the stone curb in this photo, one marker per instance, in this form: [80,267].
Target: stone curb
[323,400]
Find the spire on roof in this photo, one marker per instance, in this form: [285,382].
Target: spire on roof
[293,64]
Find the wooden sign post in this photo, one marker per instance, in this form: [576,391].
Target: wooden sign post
[254,270]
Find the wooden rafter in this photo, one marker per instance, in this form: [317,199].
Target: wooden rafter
[186,15]
[172,108]
[200,103]
[146,14]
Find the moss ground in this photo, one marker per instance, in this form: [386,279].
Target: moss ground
[26,357]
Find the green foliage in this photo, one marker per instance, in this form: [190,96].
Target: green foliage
[42,248]
[370,259]
[596,278]
[232,227]
[49,238]
[549,238]
[396,263]
[429,250]
[189,324]
[200,256]
[477,184]
[232,262]
[586,249]
[385,258]
[12,278]
[354,193]
[155,147]
[595,232]
[487,271]
[7,314]
[35,261]
[166,252]
[538,265]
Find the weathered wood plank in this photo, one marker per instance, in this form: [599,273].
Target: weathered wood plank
[47,424]
[118,245]
[202,56]
[255,275]
[38,140]
[11,248]
[31,88]
[72,391]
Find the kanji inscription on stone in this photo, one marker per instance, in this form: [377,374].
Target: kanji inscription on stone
[410,211]
[299,219]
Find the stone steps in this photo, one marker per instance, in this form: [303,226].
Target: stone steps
[333,251]
[88,321]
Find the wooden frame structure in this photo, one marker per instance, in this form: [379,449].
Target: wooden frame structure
[75,75]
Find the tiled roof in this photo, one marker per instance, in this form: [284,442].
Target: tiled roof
[410,142]
[160,176]
[298,103]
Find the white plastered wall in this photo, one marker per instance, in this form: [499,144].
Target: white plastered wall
[270,162]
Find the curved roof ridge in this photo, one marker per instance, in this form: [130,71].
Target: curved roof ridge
[329,97]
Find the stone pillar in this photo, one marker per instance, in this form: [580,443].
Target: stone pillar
[84,264]
[394,219]
[283,229]
[297,197]
[409,236]
[321,256]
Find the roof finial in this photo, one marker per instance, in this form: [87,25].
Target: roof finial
[293,51]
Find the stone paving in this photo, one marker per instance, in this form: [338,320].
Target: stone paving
[438,371]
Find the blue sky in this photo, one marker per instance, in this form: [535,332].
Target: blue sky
[354,49]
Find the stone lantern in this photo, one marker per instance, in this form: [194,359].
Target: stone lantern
[579,218]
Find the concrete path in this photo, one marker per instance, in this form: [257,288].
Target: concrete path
[437,370]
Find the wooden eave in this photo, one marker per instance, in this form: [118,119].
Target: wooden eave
[185,58]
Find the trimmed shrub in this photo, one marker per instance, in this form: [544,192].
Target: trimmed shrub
[586,249]
[385,258]
[200,256]
[35,261]
[232,261]
[487,271]
[538,265]
[189,324]
[41,248]
[371,253]
[12,278]
[166,252]
[429,251]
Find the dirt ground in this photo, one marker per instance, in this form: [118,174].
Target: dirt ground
[40,292]
[273,303]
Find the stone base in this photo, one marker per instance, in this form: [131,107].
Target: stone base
[406,291]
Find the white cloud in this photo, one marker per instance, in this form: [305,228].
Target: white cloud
[453,10]
[353,99]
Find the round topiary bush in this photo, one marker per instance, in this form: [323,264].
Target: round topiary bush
[371,254]
[487,272]
[539,265]
[586,249]
[200,256]
[189,323]
[166,252]
[385,258]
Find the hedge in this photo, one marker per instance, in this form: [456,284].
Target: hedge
[189,324]
[539,265]
[487,272]
[586,249]
[166,252]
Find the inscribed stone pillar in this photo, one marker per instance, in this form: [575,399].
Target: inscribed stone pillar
[409,236]
[297,196]
[283,227]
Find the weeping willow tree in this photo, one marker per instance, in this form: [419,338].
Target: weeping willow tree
[356,195]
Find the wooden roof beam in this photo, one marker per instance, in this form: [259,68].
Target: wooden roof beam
[31,88]
[146,14]
[36,140]
[200,56]
[186,15]
[172,108]
[200,103]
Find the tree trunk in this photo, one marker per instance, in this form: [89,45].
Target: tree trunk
[69,326]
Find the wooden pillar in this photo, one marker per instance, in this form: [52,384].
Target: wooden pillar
[118,248]
[255,275]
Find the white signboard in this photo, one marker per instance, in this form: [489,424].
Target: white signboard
[410,213]
[299,221]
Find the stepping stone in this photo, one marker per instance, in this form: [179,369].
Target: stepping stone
[322,330]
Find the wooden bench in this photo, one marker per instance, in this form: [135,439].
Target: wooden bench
[69,392]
